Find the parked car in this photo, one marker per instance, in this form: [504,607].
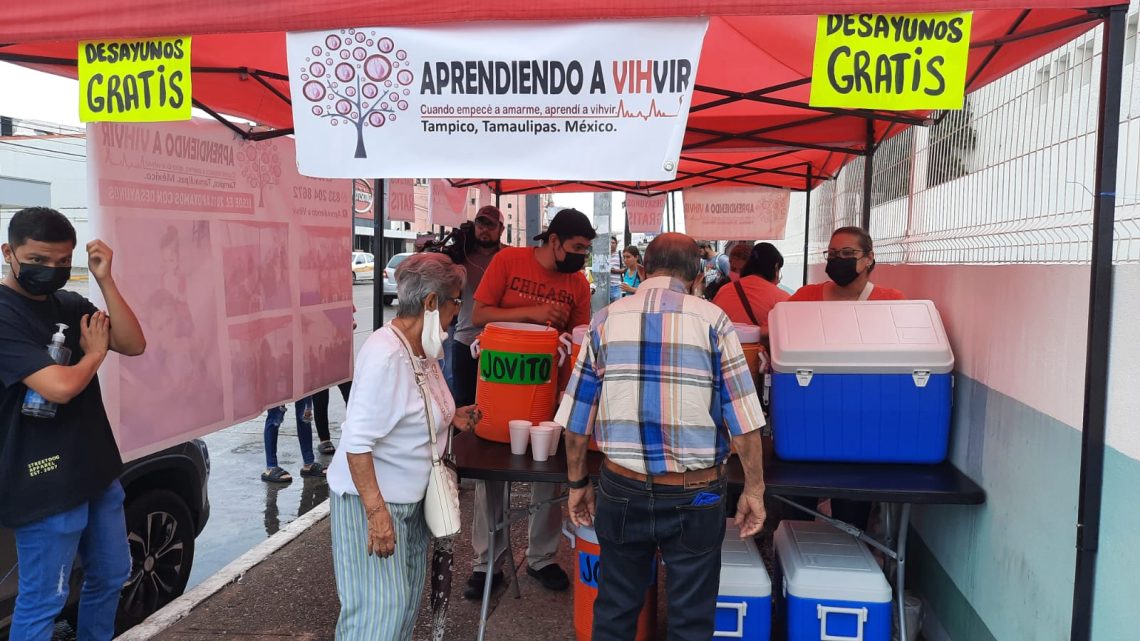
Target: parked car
[363,267]
[390,277]
[167,506]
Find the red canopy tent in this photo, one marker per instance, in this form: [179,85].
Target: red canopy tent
[750,123]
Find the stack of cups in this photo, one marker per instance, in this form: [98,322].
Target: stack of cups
[543,441]
[557,435]
[520,436]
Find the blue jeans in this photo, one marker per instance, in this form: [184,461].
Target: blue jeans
[615,292]
[633,522]
[96,532]
[273,422]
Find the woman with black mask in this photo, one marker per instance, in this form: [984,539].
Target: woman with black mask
[850,261]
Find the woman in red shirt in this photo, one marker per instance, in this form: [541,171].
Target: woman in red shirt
[748,300]
[850,261]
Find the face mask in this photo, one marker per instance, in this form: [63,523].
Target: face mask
[40,280]
[432,336]
[843,271]
[570,263]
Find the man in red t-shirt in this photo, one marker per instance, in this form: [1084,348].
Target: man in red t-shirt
[532,285]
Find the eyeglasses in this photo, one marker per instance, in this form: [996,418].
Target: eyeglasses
[458,302]
[486,223]
[845,252]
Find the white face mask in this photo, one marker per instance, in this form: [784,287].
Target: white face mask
[433,335]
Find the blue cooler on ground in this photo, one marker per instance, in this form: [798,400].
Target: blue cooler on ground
[834,589]
[864,382]
[744,602]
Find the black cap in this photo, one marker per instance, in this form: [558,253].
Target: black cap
[569,223]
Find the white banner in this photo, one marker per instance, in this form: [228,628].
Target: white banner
[237,267]
[604,100]
[447,205]
[643,214]
[747,213]
[402,199]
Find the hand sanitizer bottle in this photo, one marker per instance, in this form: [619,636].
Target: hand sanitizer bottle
[34,404]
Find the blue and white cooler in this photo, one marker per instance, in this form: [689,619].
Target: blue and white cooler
[744,602]
[834,590]
[865,382]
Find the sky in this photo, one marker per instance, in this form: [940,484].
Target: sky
[54,99]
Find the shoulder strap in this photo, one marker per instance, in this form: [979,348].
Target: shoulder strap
[866,293]
[421,382]
[747,304]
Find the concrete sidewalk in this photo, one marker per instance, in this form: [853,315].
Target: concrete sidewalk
[292,595]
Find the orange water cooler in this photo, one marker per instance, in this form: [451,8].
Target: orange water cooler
[518,376]
[587,553]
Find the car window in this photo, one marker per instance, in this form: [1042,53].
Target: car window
[396,260]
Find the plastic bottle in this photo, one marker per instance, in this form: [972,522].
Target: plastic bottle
[34,404]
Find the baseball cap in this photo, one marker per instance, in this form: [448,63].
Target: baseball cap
[569,223]
[490,211]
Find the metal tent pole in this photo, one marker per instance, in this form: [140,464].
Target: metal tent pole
[379,213]
[1100,323]
[868,174]
[807,224]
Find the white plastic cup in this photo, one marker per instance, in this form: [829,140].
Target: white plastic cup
[520,436]
[540,438]
[557,435]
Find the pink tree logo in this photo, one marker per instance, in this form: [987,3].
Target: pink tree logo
[260,166]
[357,79]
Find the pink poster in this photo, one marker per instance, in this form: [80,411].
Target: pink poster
[643,214]
[402,199]
[448,204]
[745,213]
[237,267]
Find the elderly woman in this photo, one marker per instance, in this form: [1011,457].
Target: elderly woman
[380,473]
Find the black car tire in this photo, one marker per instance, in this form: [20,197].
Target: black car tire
[160,531]
[355,279]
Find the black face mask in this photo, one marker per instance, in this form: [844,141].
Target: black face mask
[40,280]
[570,263]
[843,271]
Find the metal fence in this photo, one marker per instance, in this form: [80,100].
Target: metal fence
[1008,179]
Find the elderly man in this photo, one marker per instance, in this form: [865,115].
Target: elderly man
[663,386]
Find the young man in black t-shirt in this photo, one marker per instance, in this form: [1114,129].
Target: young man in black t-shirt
[61,494]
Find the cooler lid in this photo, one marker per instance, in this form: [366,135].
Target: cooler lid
[866,337]
[578,334]
[742,571]
[747,333]
[522,327]
[821,562]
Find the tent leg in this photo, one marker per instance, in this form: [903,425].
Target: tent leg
[379,213]
[807,225]
[1099,323]
[868,174]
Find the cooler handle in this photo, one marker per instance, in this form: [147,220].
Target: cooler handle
[741,612]
[475,349]
[568,532]
[823,610]
[565,345]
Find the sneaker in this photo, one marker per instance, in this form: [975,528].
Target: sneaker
[551,577]
[475,584]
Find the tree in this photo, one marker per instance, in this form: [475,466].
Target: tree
[261,166]
[357,79]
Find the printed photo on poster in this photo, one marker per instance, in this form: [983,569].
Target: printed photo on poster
[255,258]
[326,266]
[328,346]
[261,353]
[178,313]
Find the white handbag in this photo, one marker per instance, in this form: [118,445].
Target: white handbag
[441,503]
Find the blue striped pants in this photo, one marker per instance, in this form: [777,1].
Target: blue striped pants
[379,598]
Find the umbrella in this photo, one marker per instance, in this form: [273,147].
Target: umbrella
[442,566]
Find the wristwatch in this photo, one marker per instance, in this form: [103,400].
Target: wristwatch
[579,484]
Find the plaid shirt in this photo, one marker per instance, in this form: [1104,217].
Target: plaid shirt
[661,382]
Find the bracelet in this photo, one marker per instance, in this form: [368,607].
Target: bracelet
[368,514]
[579,484]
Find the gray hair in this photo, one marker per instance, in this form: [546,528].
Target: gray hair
[423,274]
[675,255]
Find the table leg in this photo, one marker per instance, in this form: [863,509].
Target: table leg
[491,529]
[900,568]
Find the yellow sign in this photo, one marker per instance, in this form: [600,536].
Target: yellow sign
[897,62]
[135,80]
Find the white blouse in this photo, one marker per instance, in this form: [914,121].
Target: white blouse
[386,418]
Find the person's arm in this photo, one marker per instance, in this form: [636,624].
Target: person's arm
[489,297]
[62,383]
[577,413]
[126,332]
[381,534]
[750,512]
